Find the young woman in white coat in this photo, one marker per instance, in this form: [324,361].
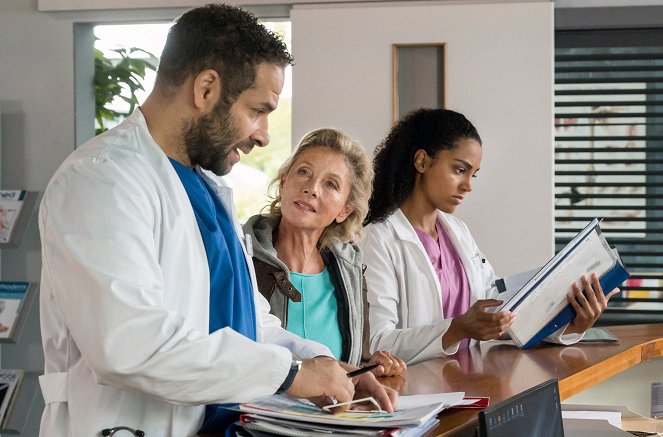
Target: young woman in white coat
[429,285]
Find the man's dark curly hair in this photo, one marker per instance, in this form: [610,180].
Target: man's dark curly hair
[432,130]
[224,38]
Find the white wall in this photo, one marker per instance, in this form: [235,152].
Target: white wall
[97,5]
[36,95]
[499,73]
[605,3]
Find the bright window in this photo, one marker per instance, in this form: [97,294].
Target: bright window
[250,177]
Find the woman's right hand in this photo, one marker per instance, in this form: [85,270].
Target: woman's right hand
[390,364]
[478,324]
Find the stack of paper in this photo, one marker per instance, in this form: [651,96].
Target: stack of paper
[627,419]
[283,415]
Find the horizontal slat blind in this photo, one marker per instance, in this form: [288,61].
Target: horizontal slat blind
[609,156]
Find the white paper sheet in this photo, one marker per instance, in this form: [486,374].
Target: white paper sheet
[415,401]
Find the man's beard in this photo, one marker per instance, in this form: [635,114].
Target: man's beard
[210,139]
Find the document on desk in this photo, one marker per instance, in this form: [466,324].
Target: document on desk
[541,301]
[414,411]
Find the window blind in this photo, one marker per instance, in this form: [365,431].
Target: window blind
[609,155]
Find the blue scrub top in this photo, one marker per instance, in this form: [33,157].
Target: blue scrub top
[231,293]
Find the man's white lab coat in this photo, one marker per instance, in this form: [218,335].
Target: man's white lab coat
[125,299]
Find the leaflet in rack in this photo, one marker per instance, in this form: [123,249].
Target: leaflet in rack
[15,300]
[542,303]
[16,207]
[11,202]
[10,380]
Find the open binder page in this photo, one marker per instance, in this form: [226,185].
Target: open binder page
[510,285]
[513,297]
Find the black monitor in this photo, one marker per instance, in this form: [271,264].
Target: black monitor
[534,412]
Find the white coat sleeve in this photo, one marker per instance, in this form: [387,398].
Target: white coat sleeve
[99,230]
[388,301]
[559,337]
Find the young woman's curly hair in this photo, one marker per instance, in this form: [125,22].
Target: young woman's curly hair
[432,130]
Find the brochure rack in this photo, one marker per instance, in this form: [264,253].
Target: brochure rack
[16,307]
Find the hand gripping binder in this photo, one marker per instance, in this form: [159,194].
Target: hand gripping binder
[542,302]
[609,281]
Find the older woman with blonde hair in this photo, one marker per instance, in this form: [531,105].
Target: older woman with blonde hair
[307,263]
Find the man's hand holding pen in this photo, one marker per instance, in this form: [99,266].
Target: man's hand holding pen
[367,385]
[324,381]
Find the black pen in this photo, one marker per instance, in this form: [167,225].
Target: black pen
[362,370]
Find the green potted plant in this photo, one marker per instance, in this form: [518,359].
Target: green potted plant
[118,78]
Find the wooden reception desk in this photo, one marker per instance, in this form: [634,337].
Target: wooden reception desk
[501,371]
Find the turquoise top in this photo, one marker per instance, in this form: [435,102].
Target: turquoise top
[316,316]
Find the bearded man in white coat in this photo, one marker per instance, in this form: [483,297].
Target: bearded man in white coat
[149,306]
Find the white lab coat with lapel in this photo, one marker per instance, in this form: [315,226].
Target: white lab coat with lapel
[404,295]
[125,299]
